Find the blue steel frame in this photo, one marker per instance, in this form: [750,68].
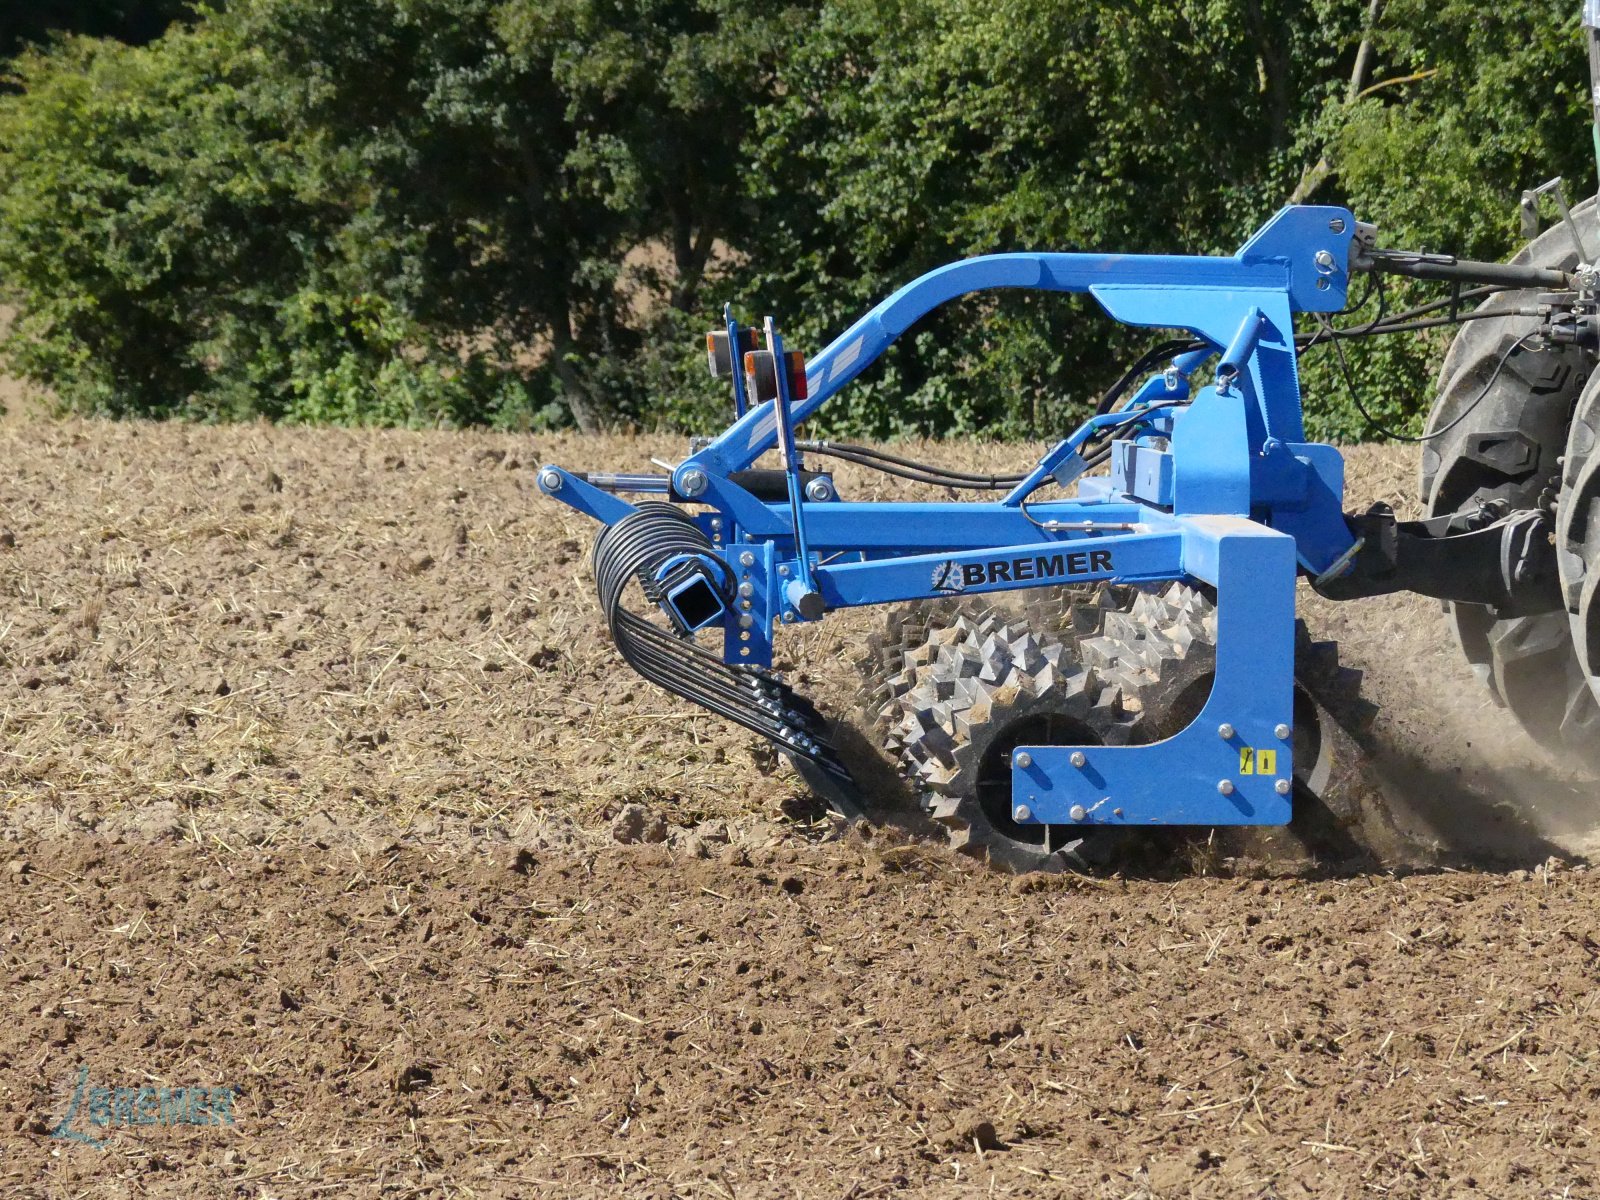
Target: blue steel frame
[1215,485]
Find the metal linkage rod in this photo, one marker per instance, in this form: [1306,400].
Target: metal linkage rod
[1446,268]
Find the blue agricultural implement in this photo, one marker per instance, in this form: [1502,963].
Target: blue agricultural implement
[1148,672]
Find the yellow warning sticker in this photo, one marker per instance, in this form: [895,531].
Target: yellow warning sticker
[1257,762]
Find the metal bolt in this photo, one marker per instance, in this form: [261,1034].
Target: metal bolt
[1078,758]
[746,605]
[746,621]
[1077,812]
[819,490]
[746,589]
[1023,812]
[783,572]
[550,481]
[747,559]
[1226,787]
[788,618]
[1325,260]
[716,522]
[1225,732]
[1023,760]
[1281,732]
[693,483]
[1336,225]
[1116,812]
[1282,787]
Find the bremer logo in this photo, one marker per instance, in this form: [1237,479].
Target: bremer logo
[1038,566]
[947,577]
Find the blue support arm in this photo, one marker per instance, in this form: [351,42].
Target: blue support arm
[1175,292]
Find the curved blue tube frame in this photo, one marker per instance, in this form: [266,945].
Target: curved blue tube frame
[1217,486]
[1282,269]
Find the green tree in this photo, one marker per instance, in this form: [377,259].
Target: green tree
[910,133]
[1467,105]
[297,204]
[1460,108]
[514,210]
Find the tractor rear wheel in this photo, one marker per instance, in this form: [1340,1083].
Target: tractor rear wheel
[1578,536]
[1499,429]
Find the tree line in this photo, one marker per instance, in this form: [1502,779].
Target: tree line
[524,212]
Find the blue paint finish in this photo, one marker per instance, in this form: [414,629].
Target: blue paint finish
[745,511]
[586,498]
[1056,462]
[1294,238]
[1254,328]
[731,326]
[751,642]
[1211,456]
[1131,558]
[791,459]
[1274,375]
[1300,488]
[1214,484]
[1280,260]
[675,597]
[1176,782]
[843,525]
[1236,358]
[1142,471]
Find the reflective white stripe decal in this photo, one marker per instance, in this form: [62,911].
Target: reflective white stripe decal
[847,358]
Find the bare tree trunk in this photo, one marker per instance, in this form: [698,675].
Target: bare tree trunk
[1275,72]
[1364,53]
[1315,176]
[690,257]
[587,413]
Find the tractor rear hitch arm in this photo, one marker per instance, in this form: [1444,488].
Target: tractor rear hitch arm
[1505,562]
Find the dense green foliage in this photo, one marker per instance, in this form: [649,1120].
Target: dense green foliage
[520,211]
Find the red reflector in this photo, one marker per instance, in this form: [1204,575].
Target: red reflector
[797,375]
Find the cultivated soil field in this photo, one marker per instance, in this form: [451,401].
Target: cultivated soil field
[324,791]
